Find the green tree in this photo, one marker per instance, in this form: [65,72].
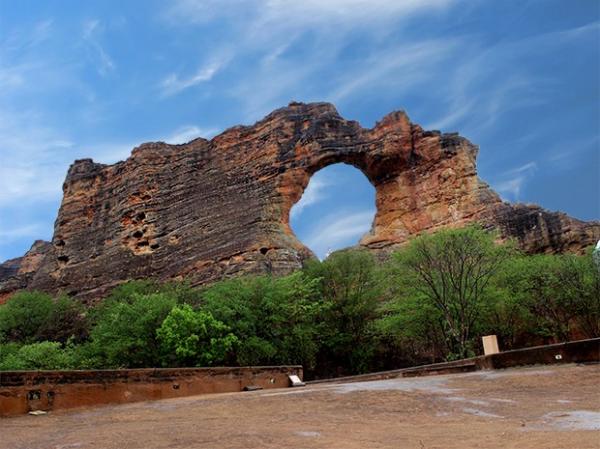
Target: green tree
[191,337]
[67,321]
[23,315]
[44,355]
[124,335]
[560,291]
[451,271]
[350,286]
[28,317]
[275,319]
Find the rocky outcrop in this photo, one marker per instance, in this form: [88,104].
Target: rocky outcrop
[15,274]
[210,209]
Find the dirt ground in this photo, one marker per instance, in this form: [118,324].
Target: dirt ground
[537,407]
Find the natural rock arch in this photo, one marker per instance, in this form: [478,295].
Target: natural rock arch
[344,195]
[210,209]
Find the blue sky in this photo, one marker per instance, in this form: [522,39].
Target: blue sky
[95,78]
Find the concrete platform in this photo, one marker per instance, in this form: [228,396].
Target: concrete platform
[537,407]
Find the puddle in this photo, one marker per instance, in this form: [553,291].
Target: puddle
[430,385]
[285,393]
[474,411]
[470,401]
[574,420]
[512,373]
[308,433]
[506,401]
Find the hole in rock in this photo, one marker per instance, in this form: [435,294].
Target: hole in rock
[336,209]
[34,395]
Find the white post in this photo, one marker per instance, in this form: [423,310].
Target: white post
[490,345]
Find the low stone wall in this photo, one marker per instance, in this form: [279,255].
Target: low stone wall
[581,351]
[24,391]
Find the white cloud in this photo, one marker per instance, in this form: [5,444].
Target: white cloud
[34,231]
[104,63]
[301,13]
[187,133]
[173,84]
[398,67]
[267,29]
[314,193]
[338,231]
[483,69]
[515,179]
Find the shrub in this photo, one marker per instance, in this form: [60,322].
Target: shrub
[275,319]
[124,335]
[194,338]
[45,355]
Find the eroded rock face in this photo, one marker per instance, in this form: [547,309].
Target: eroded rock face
[210,209]
[15,274]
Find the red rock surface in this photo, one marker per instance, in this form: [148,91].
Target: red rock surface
[210,209]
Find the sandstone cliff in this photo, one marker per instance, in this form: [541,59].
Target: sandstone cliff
[209,209]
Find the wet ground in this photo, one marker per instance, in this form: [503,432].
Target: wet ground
[538,407]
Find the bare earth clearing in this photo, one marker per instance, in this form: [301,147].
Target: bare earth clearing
[538,407]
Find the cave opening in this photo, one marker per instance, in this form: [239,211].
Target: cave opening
[336,209]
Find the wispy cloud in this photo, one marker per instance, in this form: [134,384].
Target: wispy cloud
[186,133]
[174,84]
[478,70]
[301,13]
[267,31]
[315,192]
[398,67]
[104,63]
[514,180]
[339,230]
[33,230]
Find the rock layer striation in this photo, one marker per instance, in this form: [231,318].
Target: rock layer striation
[211,209]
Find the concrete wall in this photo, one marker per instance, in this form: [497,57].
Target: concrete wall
[24,391]
[581,351]
[571,352]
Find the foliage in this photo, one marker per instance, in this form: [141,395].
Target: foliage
[194,338]
[44,355]
[350,288]
[559,290]
[28,317]
[124,335]
[275,319]
[451,271]
[432,300]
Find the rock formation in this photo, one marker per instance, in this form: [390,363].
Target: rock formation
[210,209]
[15,274]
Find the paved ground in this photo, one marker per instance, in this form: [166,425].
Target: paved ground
[540,407]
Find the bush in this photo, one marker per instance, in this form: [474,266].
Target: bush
[350,286]
[124,335]
[23,315]
[451,271]
[45,355]
[275,319]
[194,338]
[28,317]
[562,292]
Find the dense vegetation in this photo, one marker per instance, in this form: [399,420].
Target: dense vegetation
[431,301]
